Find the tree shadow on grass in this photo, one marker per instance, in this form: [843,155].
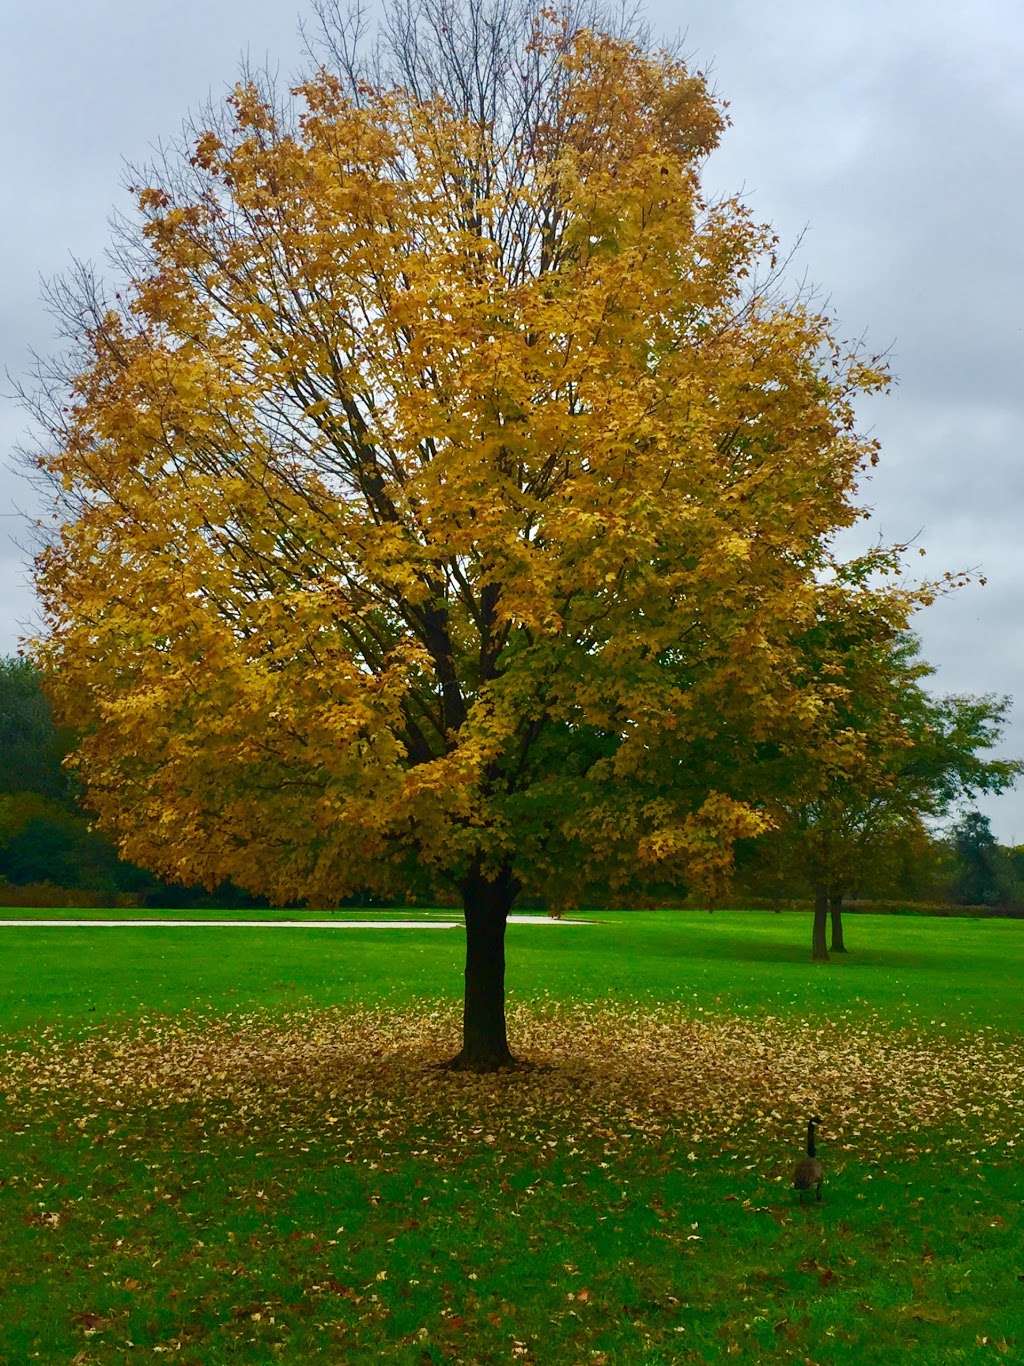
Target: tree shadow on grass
[736,949]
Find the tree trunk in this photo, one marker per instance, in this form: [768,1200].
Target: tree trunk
[835,906]
[486,903]
[819,948]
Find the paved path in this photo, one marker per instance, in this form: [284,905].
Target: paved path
[273,924]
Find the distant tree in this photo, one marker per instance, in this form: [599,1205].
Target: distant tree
[982,874]
[1015,865]
[45,836]
[43,839]
[890,758]
[46,848]
[32,748]
[917,866]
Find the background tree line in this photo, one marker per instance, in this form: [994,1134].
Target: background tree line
[47,847]
[960,865]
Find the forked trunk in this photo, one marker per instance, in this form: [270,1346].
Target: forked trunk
[486,903]
[819,948]
[835,907]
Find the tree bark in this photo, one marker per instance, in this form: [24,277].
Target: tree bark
[819,948]
[486,904]
[835,906]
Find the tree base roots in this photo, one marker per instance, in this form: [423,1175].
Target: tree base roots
[497,1062]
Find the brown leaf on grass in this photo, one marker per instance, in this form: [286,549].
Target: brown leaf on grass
[247,1311]
[89,1321]
[43,1219]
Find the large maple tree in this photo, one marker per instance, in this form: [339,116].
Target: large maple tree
[446,484]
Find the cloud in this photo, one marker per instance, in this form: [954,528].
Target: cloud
[891,133]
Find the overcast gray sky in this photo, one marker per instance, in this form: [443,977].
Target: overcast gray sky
[892,132]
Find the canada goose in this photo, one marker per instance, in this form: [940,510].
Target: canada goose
[808,1173]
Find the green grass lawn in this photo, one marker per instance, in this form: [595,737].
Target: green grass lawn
[229,1145]
[966,973]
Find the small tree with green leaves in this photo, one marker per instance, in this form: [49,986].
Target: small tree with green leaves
[899,758]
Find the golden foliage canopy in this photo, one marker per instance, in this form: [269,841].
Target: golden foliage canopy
[445,490]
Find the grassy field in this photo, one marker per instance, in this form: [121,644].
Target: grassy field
[230,1145]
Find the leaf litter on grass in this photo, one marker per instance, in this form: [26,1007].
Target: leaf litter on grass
[364,1079]
[257,1183]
